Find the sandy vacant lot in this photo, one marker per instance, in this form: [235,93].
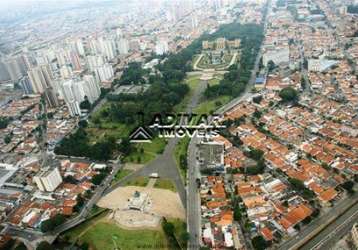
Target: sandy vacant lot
[132,219]
[163,202]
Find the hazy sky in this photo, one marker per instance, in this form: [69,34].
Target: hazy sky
[12,3]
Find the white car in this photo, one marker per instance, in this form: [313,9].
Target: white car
[154,175]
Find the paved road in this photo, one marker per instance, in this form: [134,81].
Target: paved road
[164,164]
[319,224]
[193,199]
[328,237]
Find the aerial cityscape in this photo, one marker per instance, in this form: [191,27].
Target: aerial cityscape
[178,124]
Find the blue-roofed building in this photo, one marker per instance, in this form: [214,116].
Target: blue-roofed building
[260,82]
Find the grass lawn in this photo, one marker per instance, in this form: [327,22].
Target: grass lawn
[146,152]
[181,149]
[165,184]
[139,181]
[192,82]
[209,106]
[121,174]
[100,235]
[216,80]
[75,232]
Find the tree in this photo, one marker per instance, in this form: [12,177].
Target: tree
[257,99]
[271,66]
[97,179]
[259,243]
[44,245]
[83,124]
[237,213]
[52,223]
[168,227]
[288,94]
[21,246]
[257,114]
[7,138]
[348,185]
[256,154]
[297,184]
[85,104]
[4,121]
[184,237]
[80,201]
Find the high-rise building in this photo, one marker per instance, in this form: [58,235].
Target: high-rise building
[80,48]
[61,56]
[107,48]
[73,96]
[122,46]
[91,88]
[66,72]
[51,97]
[48,179]
[94,61]
[41,78]
[4,74]
[14,68]
[75,61]
[105,72]
[25,84]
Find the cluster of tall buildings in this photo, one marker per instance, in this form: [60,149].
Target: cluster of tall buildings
[70,71]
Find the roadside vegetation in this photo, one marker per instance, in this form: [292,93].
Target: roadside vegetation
[139,181]
[180,154]
[165,184]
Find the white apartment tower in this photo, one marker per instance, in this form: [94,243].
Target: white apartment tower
[105,72]
[91,88]
[123,46]
[40,78]
[48,179]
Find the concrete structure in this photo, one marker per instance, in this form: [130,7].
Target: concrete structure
[40,78]
[320,65]
[123,46]
[48,179]
[277,55]
[105,72]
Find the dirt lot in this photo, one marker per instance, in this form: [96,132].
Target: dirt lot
[163,203]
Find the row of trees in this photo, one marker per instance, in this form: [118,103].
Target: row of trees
[78,144]
[52,223]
